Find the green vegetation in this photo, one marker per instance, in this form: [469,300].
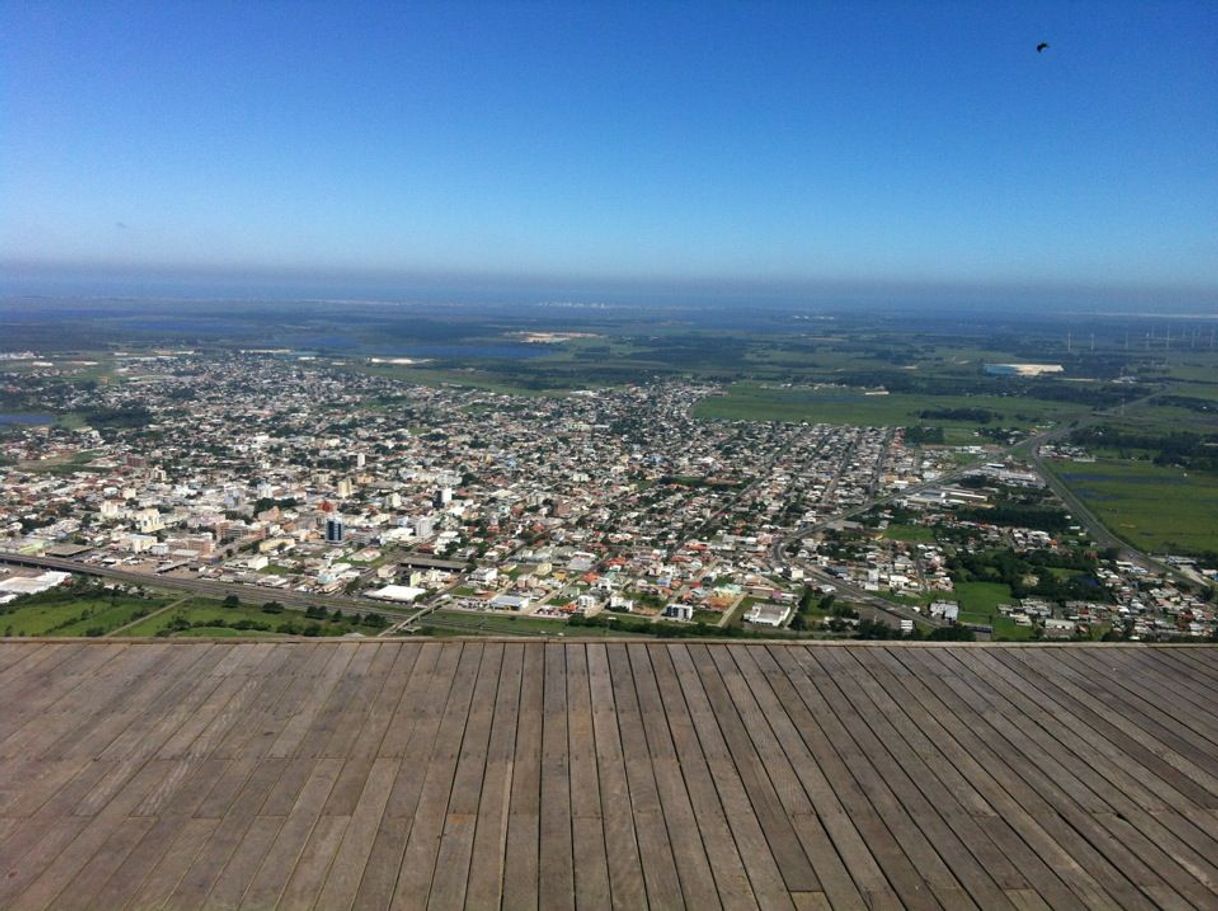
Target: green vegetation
[76,462]
[492,623]
[80,609]
[198,615]
[835,405]
[918,534]
[979,600]
[1153,507]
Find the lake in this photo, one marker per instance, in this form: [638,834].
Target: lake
[27,419]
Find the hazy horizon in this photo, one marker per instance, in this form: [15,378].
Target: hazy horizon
[58,282]
[780,150]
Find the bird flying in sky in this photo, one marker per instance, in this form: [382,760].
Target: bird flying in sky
[1040,48]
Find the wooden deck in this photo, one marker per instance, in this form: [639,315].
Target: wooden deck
[341,775]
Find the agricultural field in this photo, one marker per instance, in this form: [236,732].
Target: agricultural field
[837,405]
[1155,508]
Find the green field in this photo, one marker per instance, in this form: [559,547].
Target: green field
[1154,508]
[758,402]
[203,617]
[62,612]
[495,623]
[979,604]
[500,623]
[918,534]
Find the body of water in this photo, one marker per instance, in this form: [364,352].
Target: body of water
[27,419]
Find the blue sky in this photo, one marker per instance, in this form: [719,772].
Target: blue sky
[759,142]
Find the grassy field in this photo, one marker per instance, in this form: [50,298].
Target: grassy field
[501,624]
[1154,508]
[203,617]
[759,402]
[466,623]
[62,613]
[918,534]
[979,604]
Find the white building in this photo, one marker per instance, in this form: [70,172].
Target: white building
[768,614]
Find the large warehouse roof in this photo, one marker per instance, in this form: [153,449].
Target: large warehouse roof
[471,773]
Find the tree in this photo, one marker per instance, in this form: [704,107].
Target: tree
[232,601]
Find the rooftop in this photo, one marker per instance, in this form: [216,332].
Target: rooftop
[469,773]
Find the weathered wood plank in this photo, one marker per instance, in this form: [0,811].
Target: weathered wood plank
[361,775]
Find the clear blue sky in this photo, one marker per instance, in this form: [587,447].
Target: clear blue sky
[859,141]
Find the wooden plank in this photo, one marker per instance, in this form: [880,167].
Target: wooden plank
[146,675]
[448,886]
[176,859]
[521,872]
[627,774]
[1037,796]
[1174,783]
[419,859]
[268,884]
[348,868]
[161,718]
[385,707]
[426,712]
[1013,799]
[627,889]
[33,849]
[410,738]
[694,865]
[768,751]
[1104,715]
[97,832]
[131,872]
[556,888]
[833,797]
[891,787]
[484,887]
[294,732]
[587,824]
[48,694]
[1155,699]
[657,846]
[971,816]
[1180,867]
[239,872]
[745,870]
[313,866]
[1136,781]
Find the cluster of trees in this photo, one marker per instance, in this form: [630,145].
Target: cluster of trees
[264,503]
[312,612]
[128,417]
[1181,448]
[974,415]
[809,604]
[1031,575]
[1014,515]
[917,436]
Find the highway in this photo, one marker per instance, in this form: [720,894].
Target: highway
[249,594]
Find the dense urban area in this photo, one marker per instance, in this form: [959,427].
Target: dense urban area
[268,492]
